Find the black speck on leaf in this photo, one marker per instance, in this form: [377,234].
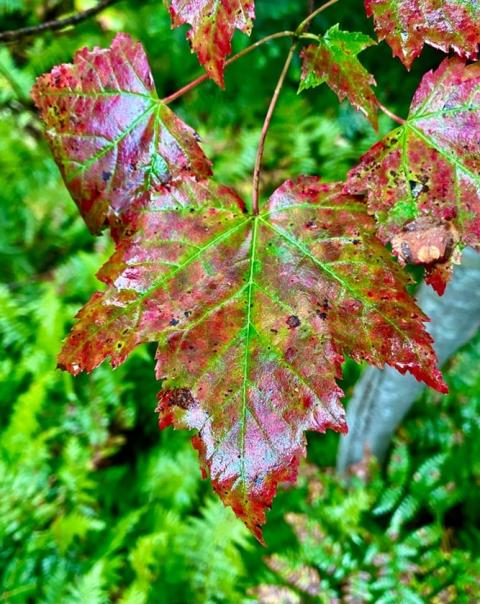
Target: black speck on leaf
[293,321]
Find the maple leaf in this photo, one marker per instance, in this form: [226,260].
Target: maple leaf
[110,134]
[423,179]
[334,61]
[253,316]
[408,24]
[213,23]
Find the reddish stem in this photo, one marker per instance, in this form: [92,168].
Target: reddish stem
[239,55]
[390,114]
[266,124]
[304,24]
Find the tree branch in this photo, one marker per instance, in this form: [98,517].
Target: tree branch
[239,55]
[305,23]
[266,125]
[17,34]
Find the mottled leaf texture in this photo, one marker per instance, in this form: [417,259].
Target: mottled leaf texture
[253,316]
[213,23]
[111,136]
[334,61]
[423,179]
[409,24]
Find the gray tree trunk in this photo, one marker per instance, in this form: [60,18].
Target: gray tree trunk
[382,398]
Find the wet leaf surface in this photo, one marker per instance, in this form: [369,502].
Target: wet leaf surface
[111,136]
[422,180]
[253,316]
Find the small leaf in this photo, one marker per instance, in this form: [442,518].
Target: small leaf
[334,61]
[111,136]
[213,23]
[423,179]
[409,24]
[253,316]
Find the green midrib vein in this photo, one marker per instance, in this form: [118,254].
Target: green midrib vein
[248,327]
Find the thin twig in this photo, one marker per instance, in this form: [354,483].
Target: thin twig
[390,114]
[16,34]
[303,25]
[311,8]
[268,118]
[239,55]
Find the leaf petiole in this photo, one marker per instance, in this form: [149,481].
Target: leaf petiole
[390,114]
[266,125]
[193,84]
[304,24]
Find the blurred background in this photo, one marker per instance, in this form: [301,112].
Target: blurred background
[96,504]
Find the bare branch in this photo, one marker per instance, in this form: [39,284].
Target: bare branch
[17,34]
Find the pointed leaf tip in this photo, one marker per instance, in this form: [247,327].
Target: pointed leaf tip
[212,27]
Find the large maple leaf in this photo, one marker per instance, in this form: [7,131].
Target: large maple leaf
[213,23]
[334,60]
[423,179]
[110,134]
[253,316]
[408,24]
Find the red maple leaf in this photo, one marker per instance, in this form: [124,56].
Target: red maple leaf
[110,134]
[253,316]
[422,180]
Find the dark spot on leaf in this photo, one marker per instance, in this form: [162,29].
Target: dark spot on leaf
[293,321]
[181,397]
